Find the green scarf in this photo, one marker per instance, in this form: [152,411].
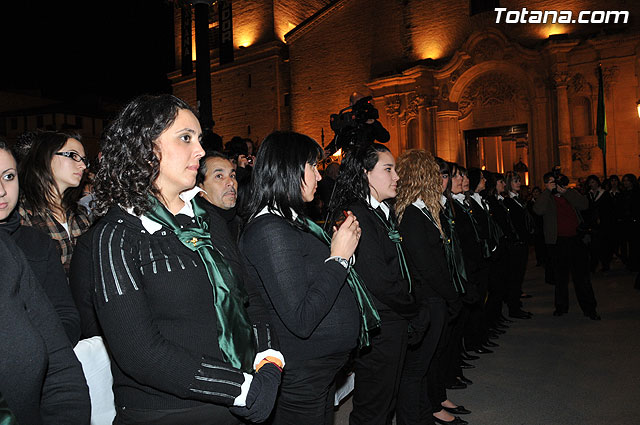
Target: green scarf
[235,335]
[394,235]
[454,252]
[369,317]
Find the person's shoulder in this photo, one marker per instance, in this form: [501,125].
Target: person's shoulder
[265,225]
[35,244]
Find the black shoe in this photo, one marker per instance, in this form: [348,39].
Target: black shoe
[520,315]
[498,331]
[458,385]
[559,313]
[500,326]
[594,316]
[523,295]
[464,379]
[460,410]
[492,335]
[491,344]
[467,356]
[482,350]
[456,421]
[465,365]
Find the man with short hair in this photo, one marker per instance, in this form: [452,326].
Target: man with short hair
[217,178]
[559,205]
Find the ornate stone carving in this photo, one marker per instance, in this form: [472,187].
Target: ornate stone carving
[444,91]
[486,50]
[610,76]
[577,83]
[582,156]
[492,89]
[393,106]
[415,102]
[561,78]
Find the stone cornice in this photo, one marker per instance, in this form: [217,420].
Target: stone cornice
[315,19]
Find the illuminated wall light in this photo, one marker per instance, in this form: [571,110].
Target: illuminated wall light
[553,29]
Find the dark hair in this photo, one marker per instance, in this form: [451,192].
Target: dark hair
[491,185]
[547,176]
[37,185]
[278,173]
[129,165]
[614,177]
[5,147]
[475,176]
[633,179]
[235,147]
[510,177]
[23,145]
[352,184]
[202,169]
[594,178]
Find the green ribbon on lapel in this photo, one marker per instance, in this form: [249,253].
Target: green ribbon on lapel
[369,317]
[235,335]
[454,253]
[394,235]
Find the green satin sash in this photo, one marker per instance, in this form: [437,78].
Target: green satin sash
[369,317]
[6,417]
[235,334]
[394,235]
[453,251]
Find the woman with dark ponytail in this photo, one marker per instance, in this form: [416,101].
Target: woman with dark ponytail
[366,183]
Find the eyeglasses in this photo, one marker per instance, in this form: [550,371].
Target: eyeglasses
[75,156]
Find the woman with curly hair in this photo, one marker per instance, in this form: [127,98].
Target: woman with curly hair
[51,174]
[167,281]
[418,206]
[367,181]
[316,302]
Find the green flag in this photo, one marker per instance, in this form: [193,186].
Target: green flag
[601,123]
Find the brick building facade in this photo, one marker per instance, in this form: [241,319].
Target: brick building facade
[444,76]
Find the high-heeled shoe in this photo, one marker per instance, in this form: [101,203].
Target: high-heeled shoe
[491,344]
[456,421]
[460,410]
[465,365]
[467,356]
[464,379]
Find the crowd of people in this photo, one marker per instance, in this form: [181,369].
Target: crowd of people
[222,299]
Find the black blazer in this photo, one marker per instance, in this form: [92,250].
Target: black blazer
[425,255]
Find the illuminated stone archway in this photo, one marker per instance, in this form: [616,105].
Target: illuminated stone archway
[492,83]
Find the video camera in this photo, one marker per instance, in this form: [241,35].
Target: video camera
[560,179]
[348,124]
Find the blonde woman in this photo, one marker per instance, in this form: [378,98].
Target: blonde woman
[418,207]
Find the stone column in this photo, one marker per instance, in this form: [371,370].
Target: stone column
[564,125]
[448,136]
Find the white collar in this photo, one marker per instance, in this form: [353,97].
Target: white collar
[478,199]
[375,204]
[419,203]
[598,193]
[152,226]
[500,197]
[512,194]
[443,200]
[460,197]
[275,211]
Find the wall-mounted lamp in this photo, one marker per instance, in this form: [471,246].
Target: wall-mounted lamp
[638,106]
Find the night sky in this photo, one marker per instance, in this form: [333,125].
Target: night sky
[72,49]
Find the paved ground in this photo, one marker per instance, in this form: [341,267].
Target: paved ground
[565,370]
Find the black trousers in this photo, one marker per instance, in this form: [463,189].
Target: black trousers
[518,257]
[307,391]
[447,352]
[569,257]
[378,370]
[210,414]
[413,406]
[498,285]
[475,332]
